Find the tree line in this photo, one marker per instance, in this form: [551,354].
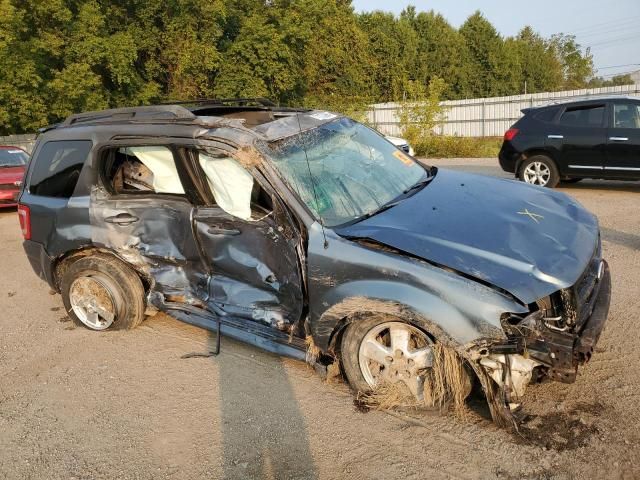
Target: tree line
[59,57]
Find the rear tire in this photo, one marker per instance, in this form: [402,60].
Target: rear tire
[100,292]
[539,170]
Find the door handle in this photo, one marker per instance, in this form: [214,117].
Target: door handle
[223,231]
[123,219]
[619,139]
[558,137]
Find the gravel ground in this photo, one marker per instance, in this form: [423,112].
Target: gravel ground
[88,405]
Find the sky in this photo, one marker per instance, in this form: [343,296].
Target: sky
[610,27]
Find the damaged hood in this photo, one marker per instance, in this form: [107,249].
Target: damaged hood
[527,240]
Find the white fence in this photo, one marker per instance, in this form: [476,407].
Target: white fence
[486,117]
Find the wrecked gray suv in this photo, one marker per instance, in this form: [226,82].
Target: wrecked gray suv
[309,235]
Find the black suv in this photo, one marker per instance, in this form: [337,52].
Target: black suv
[594,138]
[310,235]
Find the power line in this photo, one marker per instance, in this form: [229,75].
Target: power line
[617,66]
[609,23]
[615,40]
[631,22]
[613,30]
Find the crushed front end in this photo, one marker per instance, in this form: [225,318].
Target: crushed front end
[554,340]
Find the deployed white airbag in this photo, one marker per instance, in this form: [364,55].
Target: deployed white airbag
[161,163]
[230,183]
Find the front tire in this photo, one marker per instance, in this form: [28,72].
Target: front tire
[101,292]
[539,170]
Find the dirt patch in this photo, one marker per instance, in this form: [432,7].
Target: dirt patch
[90,289]
[563,430]
[248,157]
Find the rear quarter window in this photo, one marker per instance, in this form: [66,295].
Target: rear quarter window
[583,116]
[547,115]
[57,168]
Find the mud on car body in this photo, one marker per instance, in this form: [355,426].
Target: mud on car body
[292,228]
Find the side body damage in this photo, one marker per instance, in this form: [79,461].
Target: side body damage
[279,279]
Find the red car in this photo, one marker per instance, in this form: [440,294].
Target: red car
[13,162]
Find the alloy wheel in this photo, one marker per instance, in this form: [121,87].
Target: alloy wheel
[395,352]
[537,173]
[92,300]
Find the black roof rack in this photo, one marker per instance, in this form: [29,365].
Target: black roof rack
[154,112]
[240,102]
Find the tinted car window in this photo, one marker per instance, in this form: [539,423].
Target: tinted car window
[626,115]
[547,115]
[590,116]
[57,168]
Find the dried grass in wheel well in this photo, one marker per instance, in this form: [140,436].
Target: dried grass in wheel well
[448,381]
[446,386]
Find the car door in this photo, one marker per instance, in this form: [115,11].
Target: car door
[578,139]
[142,212]
[623,140]
[250,244]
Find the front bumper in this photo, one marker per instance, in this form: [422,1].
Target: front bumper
[559,352]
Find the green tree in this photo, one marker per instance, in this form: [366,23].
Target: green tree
[442,52]
[259,63]
[392,44]
[577,68]
[494,63]
[63,56]
[484,46]
[540,66]
[421,111]
[332,50]
[615,81]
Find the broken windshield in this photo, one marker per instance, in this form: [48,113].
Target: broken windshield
[344,171]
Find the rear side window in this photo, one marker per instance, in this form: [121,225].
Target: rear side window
[547,114]
[57,168]
[589,116]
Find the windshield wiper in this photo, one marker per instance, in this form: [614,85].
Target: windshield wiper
[378,210]
[418,185]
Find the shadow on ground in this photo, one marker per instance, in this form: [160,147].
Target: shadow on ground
[624,239]
[264,432]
